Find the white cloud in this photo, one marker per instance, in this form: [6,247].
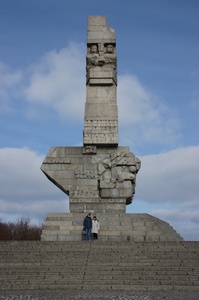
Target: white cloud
[9,83]
[167,187]
[170,177]
[58,81]
[143,118]
[186,223]
[25,191]
[177,215]
[8,78]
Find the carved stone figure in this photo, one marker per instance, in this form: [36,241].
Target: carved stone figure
[92,57]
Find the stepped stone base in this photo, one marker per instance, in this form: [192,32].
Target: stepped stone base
[113,227]
[99,266]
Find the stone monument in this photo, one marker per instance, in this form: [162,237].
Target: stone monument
[100,176]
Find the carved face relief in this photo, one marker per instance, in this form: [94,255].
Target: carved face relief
[110,49]
[94,49]
[93,56]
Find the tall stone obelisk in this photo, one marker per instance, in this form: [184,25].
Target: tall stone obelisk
[100,176]
[101,112]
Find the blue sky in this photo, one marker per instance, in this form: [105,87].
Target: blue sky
[42,97]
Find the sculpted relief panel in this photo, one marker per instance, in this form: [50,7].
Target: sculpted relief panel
[118,175]
[115,174]
[101,63]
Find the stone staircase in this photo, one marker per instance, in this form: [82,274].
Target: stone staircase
[99,266]
[113,227]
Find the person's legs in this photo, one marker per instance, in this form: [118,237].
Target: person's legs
[87,233]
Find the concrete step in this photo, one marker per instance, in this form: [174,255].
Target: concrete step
[113,227]
[90,265]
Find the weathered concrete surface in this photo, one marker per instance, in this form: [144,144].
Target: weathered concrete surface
[113,227]
[100,176]
[97,266]
[101,112]
[93,176]
[98,295]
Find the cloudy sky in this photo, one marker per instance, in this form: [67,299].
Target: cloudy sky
[42,97]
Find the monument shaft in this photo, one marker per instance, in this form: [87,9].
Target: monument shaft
[101,113]
[100,176]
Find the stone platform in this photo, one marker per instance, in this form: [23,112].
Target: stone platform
[113,227]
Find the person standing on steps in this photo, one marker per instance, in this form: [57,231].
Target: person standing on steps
[95,228]
[87,225]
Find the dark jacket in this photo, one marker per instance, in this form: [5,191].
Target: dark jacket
[87,222]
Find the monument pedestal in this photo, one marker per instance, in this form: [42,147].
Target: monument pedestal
[96,179]
[113,227]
